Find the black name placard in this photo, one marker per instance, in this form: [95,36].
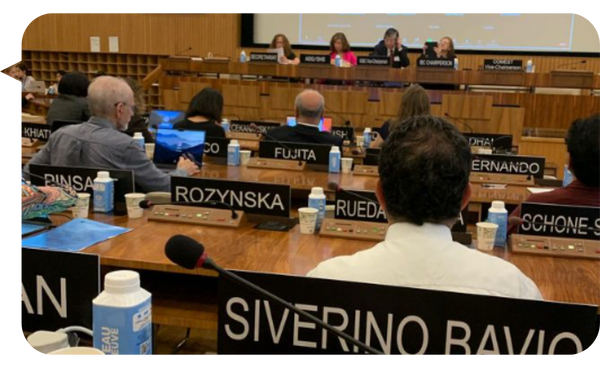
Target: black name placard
[503,65]
[560,221]
[311,153]
[496,141]
[36,131]
[256,198]
[436,63]
[216,147]
[372,156]
[315,59]
[58,289]
[346,133]
[243,126]
[263,57]
[81,179]
[373,61]
[350,206]
[509,164]
[394,320]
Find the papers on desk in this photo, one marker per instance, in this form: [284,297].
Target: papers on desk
[74,236]
[539,190]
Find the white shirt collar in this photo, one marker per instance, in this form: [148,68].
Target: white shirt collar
[434,233]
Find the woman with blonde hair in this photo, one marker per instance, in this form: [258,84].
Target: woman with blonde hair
[281,41]
[415,102]
[339,46]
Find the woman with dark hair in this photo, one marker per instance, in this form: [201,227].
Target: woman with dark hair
[204,113]
[280,41]
[71,103]
[139,120]
[59,74]
[339,46]
[20,72]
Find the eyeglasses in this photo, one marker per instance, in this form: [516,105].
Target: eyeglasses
[132,107]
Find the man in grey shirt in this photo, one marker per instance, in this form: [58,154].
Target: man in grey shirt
[99,143]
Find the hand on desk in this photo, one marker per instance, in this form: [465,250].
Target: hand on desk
[188,166]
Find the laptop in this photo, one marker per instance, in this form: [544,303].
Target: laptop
[171,144]
[324,126]
[36,87]
[57,124]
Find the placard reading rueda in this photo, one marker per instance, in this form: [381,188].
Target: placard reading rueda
[560,221]
[352,207]
[509,164]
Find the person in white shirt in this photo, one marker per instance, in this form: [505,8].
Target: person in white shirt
[21,70]
[423,184]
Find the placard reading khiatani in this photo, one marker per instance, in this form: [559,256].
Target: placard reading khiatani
[352,207]
[436,63]
[311,153]
[560,221]
[373,61]
[216,147]
[36,131]
[346,133]
[315,59]
[496,141]
[504,65]
[509,164]
[243,126]
[263,57]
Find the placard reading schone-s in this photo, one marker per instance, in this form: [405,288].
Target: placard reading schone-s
[310,153]
[560,221]
[509,164]
[315,59]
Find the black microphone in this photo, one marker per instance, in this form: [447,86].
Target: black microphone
[518,221]
[572,63]
[146,203]
[266,134]
[347,122]
[460,121]
[188,253]
[338,188]
[178,53]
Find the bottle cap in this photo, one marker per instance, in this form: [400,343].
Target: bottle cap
[234,142]
[103,175]
[498,205]
[138,135]
[225,121]
[316,191]
[367,130]
[122,282]
[335,149]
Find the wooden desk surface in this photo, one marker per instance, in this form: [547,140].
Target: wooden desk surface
[559,279]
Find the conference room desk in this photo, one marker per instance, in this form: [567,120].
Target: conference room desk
[186,302]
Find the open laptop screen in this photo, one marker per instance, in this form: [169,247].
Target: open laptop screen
[171,144]
[324,126]
[162,119]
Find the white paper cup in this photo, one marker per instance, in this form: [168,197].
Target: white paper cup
[80,350]
[347,164]
[82,206]
[133,204]
[360,141]
[486,234]
[245,157]
[150,150]
[308,219]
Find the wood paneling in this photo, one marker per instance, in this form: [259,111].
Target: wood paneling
[554,149]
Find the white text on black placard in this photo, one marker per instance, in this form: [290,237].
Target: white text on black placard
[311,153]
[504,65]
[373,61]
[436,63]
[353,207]
[560,221]
[315,59]
[36,131]
[264,57]
[508,164]
[242,126]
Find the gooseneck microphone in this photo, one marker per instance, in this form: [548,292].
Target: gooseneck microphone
[266,134]
[180,52]
[347,123]
[460,121]
[146,203]
[572,63]
[337,188]
[188,253]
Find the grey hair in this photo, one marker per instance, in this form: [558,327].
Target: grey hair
[104,93]
[314,112]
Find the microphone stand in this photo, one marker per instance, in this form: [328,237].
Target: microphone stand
[460,121]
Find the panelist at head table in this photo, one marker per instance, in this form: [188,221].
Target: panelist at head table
[392,47]
[280,41]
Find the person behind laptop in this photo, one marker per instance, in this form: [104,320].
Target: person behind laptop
[423,184]
[204,113]
[71,103]
[280,41]
[309,111]
[391,46]
[20,72]
[99,143]
[583,145]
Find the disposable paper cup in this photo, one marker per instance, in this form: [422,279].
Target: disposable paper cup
[347,164]
[150,150]
[245,157]
[360,141]
[308,219]
[80,350]
[486,234]
[82,206]
[133,204]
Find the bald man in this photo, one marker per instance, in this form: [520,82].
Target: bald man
[99,143]
[309,111]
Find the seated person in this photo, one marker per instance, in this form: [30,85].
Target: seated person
[20,73]
[583,145]
[444,50]
[59,75]
[280,41]
[71,103]
[391,46]
[339,46]
[99,142]
[139,120]
[204,113]
[423,184]
[309,111]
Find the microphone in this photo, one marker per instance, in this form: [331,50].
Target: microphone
[460,121]
[572,63]
[266,134]
[188,253]
[518,221]
[178,53]
[146,203]
[338,188]
[346,123]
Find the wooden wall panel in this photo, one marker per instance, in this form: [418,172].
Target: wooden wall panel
[554,149]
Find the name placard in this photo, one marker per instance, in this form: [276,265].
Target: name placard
[36,131]
[310,153]
[509,164]
[216,147]
[372,156]
[373,61]
[351,207]
[256,198]
[242,126]
[560,221]
[346,133]
[496,141]
[394,320]
[504,65]
[315,59]
[57,289]
[81,179]
[263,57]
[436,63]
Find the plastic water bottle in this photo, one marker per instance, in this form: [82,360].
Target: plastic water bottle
[243,57]
[567,176]
[225,125]
[455,63]
[51,90]
[233,153]
[104,198]
[335,157]
[122,316]
[367,137]
[499,215]
[318,200]
[338,60]
[139,139]
[529,67]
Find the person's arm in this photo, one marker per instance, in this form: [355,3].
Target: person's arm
[352,58]
[404,60]
[40,158]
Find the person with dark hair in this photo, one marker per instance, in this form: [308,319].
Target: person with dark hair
[71,103]
[204,113]
[20,72]
[423,184]
[339,46]
[59,74]
[139,120]
[391,46]
[583,145]
[280,41]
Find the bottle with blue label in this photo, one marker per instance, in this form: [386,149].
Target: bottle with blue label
[455,63]
[225,125]
[567,176]
[318,200]
[499,215]
[139,139]
[233,153]
[122,316]
[243,57]
[335,157]
[338,60]
[367,137]
[529,66]
[104,198]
